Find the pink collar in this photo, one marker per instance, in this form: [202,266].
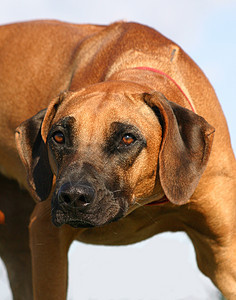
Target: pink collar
[163,200]
[171,79]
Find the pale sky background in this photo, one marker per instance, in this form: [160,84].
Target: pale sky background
[164,267]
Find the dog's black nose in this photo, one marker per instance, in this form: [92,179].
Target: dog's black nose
[76,195]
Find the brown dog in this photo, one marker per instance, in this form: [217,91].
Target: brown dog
[106,147]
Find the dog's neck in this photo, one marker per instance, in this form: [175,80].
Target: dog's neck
[157,80]
[157,71]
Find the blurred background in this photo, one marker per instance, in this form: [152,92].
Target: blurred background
[163,267]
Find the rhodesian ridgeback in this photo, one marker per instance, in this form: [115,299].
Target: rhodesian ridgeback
[112,124]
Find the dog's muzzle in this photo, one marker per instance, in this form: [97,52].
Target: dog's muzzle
[81,204]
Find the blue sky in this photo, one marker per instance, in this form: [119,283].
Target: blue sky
[164,267]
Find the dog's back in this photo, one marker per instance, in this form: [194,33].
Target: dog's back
[43,58]
[39,60]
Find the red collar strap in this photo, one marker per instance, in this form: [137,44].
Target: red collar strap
[171,79]
[2,217]
[164,199]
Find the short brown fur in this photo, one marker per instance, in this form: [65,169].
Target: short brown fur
[96,67]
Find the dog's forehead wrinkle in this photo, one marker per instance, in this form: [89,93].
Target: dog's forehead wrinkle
[100,117]
[65,121]
[100,100]
[102,108]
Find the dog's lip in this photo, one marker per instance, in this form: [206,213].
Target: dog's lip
[60,215]
[60,218]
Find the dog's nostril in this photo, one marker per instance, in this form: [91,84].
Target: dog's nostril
[82,199]
[66,199]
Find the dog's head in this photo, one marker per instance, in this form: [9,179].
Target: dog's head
[110,146]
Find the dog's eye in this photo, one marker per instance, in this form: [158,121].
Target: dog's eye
[59,137]
[127,139]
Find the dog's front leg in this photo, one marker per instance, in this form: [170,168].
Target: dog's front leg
[49,247]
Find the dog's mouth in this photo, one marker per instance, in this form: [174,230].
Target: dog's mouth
[59,218]
[103,211]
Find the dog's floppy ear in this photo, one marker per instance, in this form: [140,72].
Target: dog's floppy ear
[186,144]
[33,153]
[31,145]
